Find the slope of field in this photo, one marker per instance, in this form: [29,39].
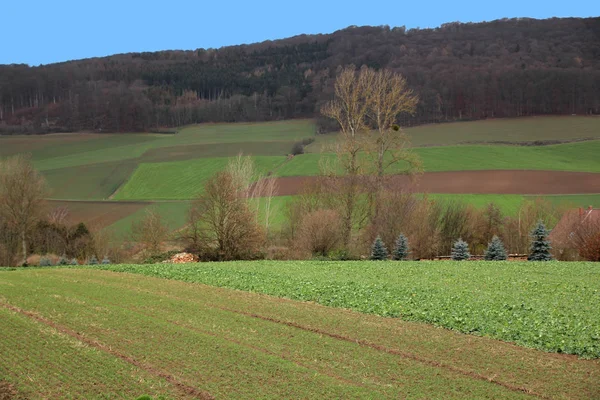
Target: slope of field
[581,156]
[513,130]
[181,179]
[204,342]
[97,214]
[550,306]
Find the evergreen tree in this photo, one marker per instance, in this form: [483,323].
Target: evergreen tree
[378,250]
[540,245]
[401,250]
[93,261]
[495,250]
[105,261]
[460,250]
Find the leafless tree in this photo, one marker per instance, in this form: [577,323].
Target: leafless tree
[151,232]
[222,219]
[22,193]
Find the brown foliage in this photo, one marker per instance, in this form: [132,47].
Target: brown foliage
[319,232]
[151,232]
[22,193]
[222,221]
[587,240]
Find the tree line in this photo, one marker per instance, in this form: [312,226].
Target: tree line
[504,68]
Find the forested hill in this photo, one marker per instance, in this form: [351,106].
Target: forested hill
[504,68]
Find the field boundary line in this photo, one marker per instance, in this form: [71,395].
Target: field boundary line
[360,342]
[375,346]
[186,389]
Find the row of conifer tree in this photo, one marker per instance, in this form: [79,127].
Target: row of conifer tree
[540,248]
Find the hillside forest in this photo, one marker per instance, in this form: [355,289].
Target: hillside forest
[460,71]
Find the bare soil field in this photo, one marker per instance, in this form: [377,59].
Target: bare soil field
[484,182]
[99,214]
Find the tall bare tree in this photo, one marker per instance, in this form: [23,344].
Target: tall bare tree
[388,97]
[22,193]
[349,108]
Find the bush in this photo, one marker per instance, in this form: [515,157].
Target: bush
[74,262]
[158,258]
[319,232]
[378,250]
[460,250]
[45,262]
[495,250]
[63,261]
[401,250]
[540,245]
[93,261]
[297,148]
[105,261]
[307,141]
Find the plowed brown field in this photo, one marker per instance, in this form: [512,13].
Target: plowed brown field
[490,182]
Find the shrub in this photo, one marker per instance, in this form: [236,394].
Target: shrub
[297,148]
[105,261]
[63,261]
[308,140]
[540,245]
[93,260]
[460,250]
[74,262]
[378,250]
[45,262]
[401,250]
[495,250]
[319,233]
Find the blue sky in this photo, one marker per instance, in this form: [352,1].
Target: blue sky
[40,32]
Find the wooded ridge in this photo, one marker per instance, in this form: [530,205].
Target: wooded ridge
[461,71]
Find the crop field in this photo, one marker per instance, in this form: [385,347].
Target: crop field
[507,130]
[549,306]
[97,214]
[181,179]
[152,167]
[88,333]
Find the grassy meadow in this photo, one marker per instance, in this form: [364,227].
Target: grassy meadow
[89,333]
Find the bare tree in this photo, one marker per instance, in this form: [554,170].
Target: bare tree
[22,193]
[388,96]
[222,219]
[319,232]
[251,183]
[349,108]
[151,232]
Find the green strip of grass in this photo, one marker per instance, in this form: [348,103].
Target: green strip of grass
[548,306]
[582,157]
[182,179]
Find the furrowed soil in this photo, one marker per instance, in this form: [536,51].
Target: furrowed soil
[478,182]
[185,340]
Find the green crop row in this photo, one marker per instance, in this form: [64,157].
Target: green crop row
[554,307]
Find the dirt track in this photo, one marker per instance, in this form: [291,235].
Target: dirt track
[491,182]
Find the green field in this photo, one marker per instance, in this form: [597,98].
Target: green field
[513,130]
[181,179]
[549,306]
[175,166]
[582,157]
[98,334]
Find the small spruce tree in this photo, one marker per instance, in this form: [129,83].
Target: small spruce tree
[378,250]
[73,262]
[401,250]
[540,245]
[495,250]
[105,261]
[460,250]
[63,261]
[93,261]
